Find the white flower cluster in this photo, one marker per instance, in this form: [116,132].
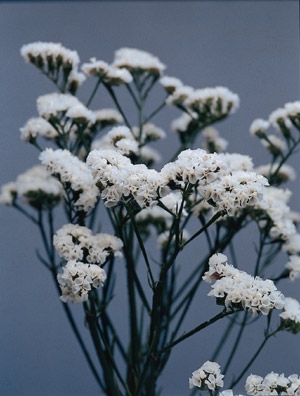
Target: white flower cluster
[225,181]
[280,117]
[258,127]
[78,279]
[170,83]
[290,316]
[56,104]
[284,173]
[228,392]
[52,57]
[36,185]
[172,202]
[236,162]
[218,101]
[105,117]
[207,103]
[139,61]
[207,377]
[182,123]
[293,266]
[282,120]
[235,288]
[274,203]
[37,126]
[74,242]
[194,167]
[148,133]
[213,143]
[109,74]
[237,190]
[117,177]
[49,52]
[273,384]
[119,138]
[74,173]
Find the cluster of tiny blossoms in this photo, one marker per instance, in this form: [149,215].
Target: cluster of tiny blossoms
[236,289]
[84,252]
[74,242]
[290,316]
[72,173]
[56,61]
[207,377]
[127,61]
[204,105]
[117,178]
[36,185]
[58,104]
[78,279]
[273,384]
[274,204]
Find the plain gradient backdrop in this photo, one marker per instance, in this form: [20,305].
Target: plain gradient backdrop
[250,47]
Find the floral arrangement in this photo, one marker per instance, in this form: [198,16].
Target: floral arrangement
[97,168]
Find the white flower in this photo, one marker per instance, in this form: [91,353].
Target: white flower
[70,170]
[97,68]
[236,162]
[213,142]
[51,105]
[53,53]
[108,117]
[292,244]
[137,60]
[235,288]
[216,102]
[182,123]
[291,315]
[207,377]
[259,127]
[280,116]
[8,193]
[272,384]
[180,95]
[110,74]
[285,172]
[149,132]
[293,109]
[170,83]
[78,279]
[36,185]
[117,76]
[254,384]
[294,267]
[237,190]
[119,138]
[274,203]
[149,155]
[74,242]
[37,126]
[193,166]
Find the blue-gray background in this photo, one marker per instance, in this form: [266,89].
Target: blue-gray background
[250,47]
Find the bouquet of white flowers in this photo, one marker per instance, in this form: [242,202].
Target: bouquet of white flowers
[100,166]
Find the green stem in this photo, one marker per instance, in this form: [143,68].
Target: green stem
[236,381]
[236,343]
[112,94]
[199,328]
[94,92]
